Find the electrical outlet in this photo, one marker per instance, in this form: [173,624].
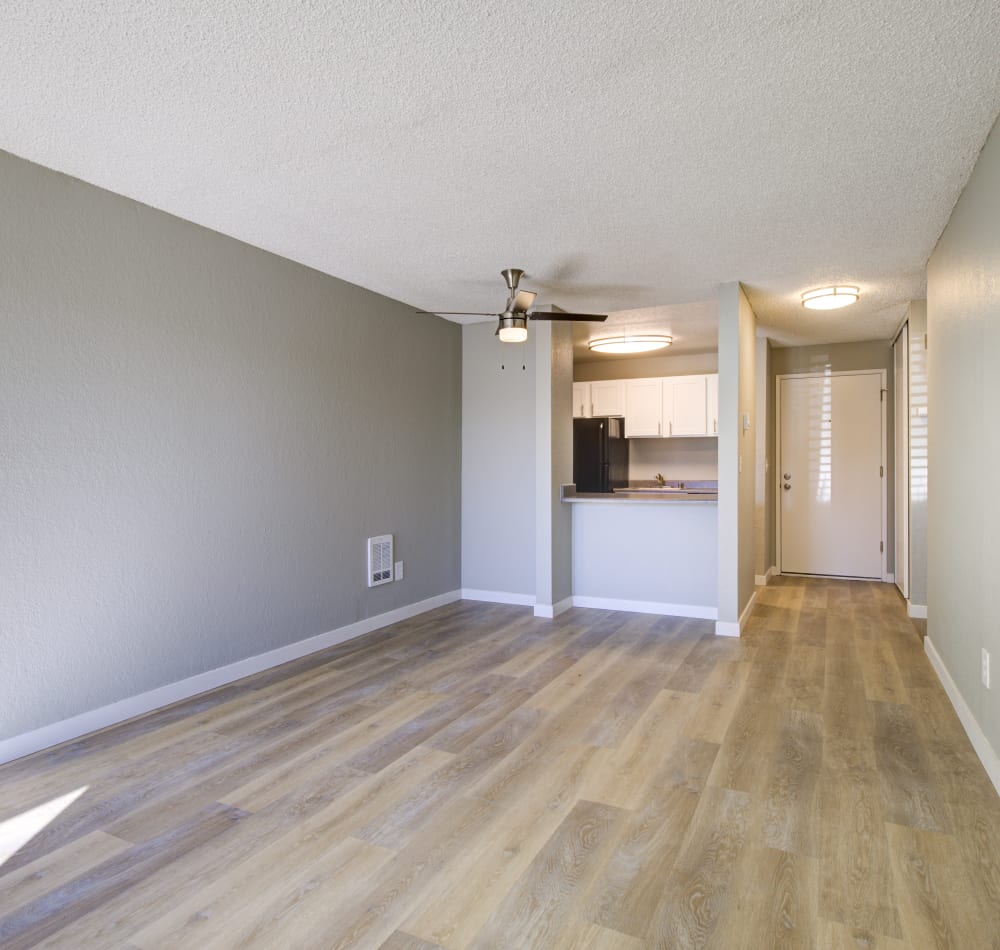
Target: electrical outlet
[986,668]
[399,571]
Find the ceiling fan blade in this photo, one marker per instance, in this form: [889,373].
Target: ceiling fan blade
[458,313]
[523,300]
[588,317]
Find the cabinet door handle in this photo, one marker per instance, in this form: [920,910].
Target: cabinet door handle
[715,425]
[658,432]
[671,429]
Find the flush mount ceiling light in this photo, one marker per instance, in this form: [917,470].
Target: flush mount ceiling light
[830,298]
[643,343]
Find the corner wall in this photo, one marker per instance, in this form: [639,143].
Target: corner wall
[963,514]
[737,457]
[197,437]
[498,465]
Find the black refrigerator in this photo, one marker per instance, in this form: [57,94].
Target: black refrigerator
[600,454]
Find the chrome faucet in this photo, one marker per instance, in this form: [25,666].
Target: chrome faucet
[660,480]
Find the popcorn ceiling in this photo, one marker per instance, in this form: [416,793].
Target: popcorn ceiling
[626,155]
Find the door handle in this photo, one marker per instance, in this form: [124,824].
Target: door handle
[787,486]
[786,476]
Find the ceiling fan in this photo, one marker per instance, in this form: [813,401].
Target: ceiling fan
[513,321]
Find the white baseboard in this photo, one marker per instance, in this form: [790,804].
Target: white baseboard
[761,580]
[730,628]
[890,578]
[647,607]
[498,597]
[76,726]
[987,754]
[551,611]
[917,611]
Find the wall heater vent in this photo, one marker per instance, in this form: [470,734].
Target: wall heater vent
[380,560]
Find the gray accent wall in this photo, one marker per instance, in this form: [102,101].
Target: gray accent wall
[963,388]
[498,462]
[196,438]
[840,358]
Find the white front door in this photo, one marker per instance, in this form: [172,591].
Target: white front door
[830,475]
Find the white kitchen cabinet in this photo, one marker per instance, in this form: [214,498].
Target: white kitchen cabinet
[607,397]
[643,408]
[712,383]
[581,400]
[685,406]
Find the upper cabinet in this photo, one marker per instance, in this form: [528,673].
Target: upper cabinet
[713,403]
[643,408]
[670,406]
[685,405]
[607,397]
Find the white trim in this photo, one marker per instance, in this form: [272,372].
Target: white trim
[761,580]
[777,454]
[917,611]
[729,628]
[94,719]
[987,754]
[498,597]
[551,611]
[647,607]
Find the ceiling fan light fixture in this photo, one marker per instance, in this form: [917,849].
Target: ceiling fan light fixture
[513,328]
[830,298]
[643,343]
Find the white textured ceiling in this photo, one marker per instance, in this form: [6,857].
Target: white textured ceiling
[626,155]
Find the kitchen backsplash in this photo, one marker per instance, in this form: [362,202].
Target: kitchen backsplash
[695,458]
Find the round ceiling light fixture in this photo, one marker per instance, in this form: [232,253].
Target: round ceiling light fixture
[513,327]
[643,343]
[830,298]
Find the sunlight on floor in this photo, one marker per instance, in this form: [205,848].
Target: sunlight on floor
[16,832]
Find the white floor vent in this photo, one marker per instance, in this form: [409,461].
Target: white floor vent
[380,560]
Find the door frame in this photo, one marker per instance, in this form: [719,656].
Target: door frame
[901,447]
[881,373]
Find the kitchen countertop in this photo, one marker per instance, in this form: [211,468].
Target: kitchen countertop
[569,494]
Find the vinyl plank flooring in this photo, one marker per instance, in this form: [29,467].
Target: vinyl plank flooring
[477,776]
[699,887]
[541,901]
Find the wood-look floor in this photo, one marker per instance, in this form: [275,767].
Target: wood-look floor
[479,778]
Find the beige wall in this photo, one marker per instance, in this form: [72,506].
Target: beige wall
[963,389]
[737,452]
[675,459]
[644,367]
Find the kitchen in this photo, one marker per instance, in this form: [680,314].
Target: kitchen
[645,498]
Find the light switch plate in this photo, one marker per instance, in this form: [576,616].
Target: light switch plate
[986,668]
[398,572]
